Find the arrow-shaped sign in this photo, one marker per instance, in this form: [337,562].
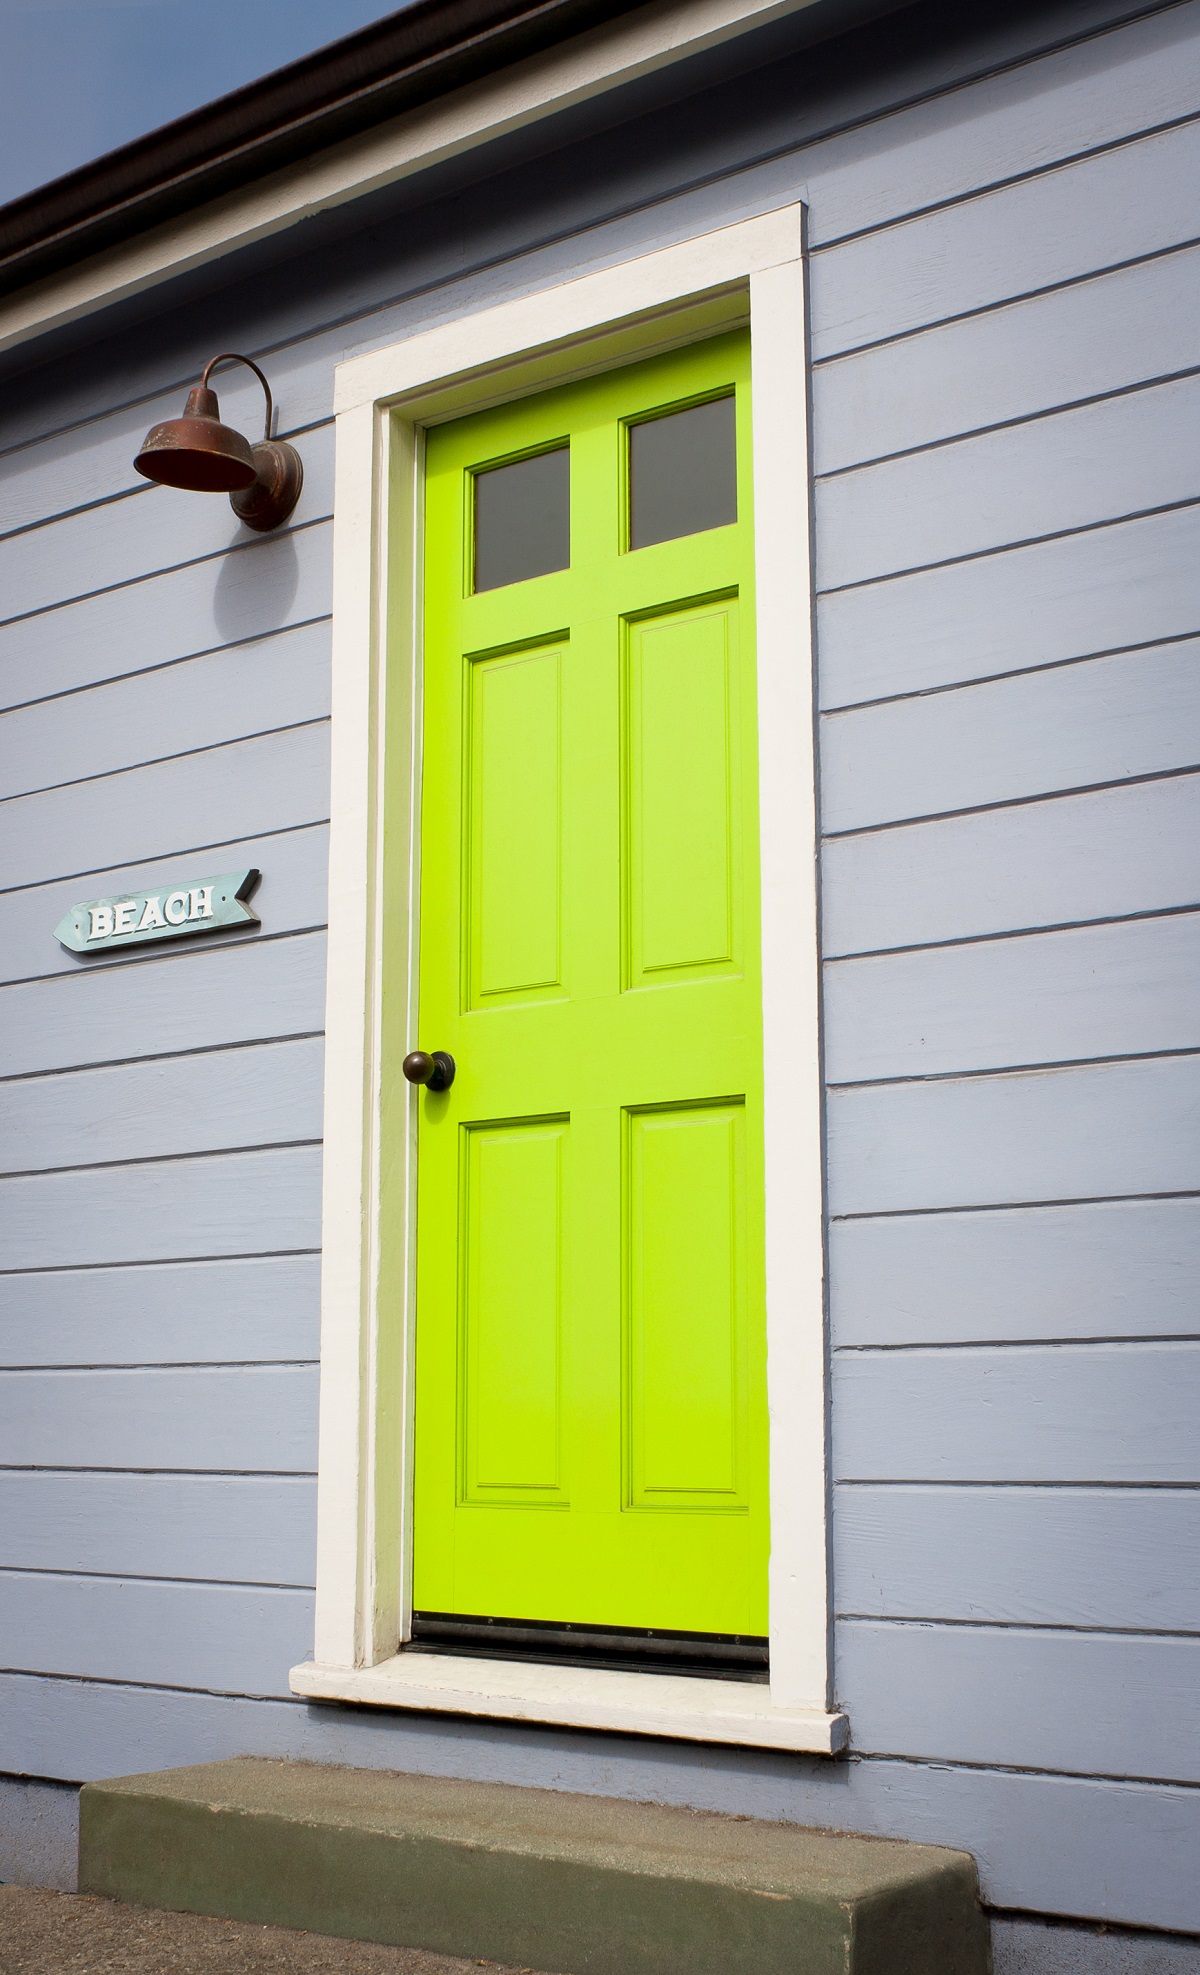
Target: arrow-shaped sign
[202,905]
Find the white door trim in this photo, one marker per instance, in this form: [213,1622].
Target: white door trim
[750,271]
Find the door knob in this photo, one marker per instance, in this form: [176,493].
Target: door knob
[436,1072]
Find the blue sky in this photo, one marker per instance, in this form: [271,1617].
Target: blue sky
[78,77]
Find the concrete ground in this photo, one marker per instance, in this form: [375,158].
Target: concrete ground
[45,1933]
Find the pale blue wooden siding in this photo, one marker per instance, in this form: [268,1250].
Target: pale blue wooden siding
[1006,397]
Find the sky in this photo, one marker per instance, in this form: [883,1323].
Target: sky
[79,77]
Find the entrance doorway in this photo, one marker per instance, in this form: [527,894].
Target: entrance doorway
[591,1430]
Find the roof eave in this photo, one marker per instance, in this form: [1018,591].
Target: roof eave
[412,57]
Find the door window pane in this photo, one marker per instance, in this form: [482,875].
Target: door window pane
[523,519]
[682,473]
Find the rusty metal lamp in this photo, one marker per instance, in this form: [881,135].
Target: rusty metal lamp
[197,451]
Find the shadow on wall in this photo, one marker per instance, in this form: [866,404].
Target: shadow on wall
[256,587]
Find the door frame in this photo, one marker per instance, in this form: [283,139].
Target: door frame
[752,272]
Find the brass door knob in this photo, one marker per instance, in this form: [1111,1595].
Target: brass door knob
[436,1072]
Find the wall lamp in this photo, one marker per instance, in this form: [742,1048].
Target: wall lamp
[196,451]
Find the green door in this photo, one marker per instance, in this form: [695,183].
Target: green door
[591,1438]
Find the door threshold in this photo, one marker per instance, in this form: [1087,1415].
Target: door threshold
[680,1707]
[620,1648]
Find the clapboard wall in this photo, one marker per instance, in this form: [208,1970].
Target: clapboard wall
[1005,263]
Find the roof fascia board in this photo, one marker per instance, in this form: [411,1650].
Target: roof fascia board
[600,59]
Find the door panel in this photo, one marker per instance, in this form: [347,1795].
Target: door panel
[685,1214]
[514,826]
[679,720]
[512,1307]
[590,1443]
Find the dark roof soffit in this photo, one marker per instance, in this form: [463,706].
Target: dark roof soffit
[410,57]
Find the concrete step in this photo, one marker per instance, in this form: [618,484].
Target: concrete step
[581,1885]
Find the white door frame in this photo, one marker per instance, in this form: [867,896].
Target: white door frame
[752,272]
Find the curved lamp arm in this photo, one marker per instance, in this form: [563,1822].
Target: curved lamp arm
[231,356]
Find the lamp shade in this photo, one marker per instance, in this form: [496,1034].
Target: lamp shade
[197,451]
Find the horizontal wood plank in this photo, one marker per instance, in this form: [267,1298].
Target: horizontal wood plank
[1072,469]
[222,1528]
[1034,113]
[251,1419]
[1104,855]
[241,1203]
[256,1307]
[1089,1133]
[275,782]
[1094,991]
[1117,1559]
[220,1638]
[1080,1703]
[1039,230]
[1083,341]
[197,997]
[291,898]
[198,703]
[1134,583]
[260,587]
[1112,1268]
[1113,1413]
[217,1101]
[1036,733]
[152,528]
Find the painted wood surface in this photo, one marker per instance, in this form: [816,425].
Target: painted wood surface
[223,1529]
[1094,991]
[1085,96]
[1112,854]
[291,898]
[163,1210]
[1100,1413]
[269,1094]
[123,541]
[274,781]
[255,1419]
[199,703]
[1126,584]
[1039,230]
[1093,337]
[1112,1268]
[1006,219]
[1072,470]
[222,1638]
[1079,1703]
[1103,720]
[1083,1557]
[255,588]
[204,998]
[244,1310]
[1072,1134]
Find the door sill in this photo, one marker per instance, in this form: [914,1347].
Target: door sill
[679,1706]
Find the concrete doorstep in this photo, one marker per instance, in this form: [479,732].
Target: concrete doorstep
[531,1878]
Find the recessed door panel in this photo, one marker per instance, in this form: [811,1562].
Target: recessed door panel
[514,825]
[512,1306]
[685,1330]
[681,850]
